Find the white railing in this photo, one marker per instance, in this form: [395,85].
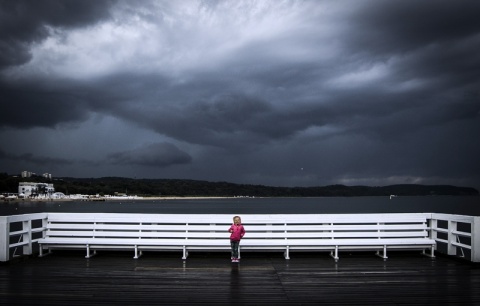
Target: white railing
[19,234]
[456,235]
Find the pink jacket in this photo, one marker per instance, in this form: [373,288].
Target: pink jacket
[237,232]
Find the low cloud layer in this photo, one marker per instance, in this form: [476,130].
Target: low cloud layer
[291,93]
[154,155]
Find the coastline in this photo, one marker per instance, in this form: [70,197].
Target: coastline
[113,199]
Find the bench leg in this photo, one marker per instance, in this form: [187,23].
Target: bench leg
[88,252]
[384,255]
[137,253]
[432,252]
[185,253]
[41,251]
[287,252]
[335,255]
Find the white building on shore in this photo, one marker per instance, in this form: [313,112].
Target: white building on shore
[27,174]
[31,189]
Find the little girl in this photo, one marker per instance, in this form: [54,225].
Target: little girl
[237,231]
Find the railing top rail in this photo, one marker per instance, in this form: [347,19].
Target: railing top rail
[24,217]
[452,217]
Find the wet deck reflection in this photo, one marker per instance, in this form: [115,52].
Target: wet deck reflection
[66,278]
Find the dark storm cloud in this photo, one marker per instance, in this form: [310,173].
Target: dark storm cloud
[400,26]
[41,102]
[433,68]
[32,159]
[34,104]
[23,22]
[153,155]
[207,112]
[233,118]
[350,91]
[209,118]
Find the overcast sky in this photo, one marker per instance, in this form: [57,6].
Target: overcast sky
[279,93]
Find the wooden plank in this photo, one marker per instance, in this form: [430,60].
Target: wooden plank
[66,278]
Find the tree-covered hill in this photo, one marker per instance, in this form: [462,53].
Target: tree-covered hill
[178,187]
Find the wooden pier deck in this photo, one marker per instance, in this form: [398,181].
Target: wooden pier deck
[114,278]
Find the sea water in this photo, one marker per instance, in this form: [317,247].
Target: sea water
[462,205]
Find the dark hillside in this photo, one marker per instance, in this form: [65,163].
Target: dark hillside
[176,187]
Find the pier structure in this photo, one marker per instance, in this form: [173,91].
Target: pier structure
[307,278]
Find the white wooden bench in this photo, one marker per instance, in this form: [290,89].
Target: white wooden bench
[205,232]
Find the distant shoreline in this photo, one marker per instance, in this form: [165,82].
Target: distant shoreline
[115,199]
[173,189]
[30,200]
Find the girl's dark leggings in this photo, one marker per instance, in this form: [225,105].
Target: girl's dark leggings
[234,245]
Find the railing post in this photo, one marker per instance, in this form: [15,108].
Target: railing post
[475,257]
[433,228]
[4,239]
[27,236]
[44,225]
[452,227]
